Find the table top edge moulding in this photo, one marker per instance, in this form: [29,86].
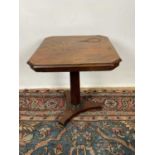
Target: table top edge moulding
[75,53]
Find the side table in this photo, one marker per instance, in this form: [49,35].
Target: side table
[74,54]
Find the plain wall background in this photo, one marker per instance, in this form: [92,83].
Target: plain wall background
[42,18]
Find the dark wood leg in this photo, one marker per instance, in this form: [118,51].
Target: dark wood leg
[75,88]
[74,105]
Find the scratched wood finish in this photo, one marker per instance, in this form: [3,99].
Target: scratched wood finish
[75,53]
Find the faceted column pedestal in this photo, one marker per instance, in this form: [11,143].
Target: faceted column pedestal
[74,104]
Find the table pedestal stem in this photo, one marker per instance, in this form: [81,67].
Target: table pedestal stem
[74,104]
[75,88]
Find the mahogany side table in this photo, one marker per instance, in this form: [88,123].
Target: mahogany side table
[74,54]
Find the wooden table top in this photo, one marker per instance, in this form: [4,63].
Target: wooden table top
[75,53]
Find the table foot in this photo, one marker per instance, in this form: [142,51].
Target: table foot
[69,113]
[74,103]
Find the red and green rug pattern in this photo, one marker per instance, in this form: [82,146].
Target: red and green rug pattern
[109,131]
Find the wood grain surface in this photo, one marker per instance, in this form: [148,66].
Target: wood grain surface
[75,53]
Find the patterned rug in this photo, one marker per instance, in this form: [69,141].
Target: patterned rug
[107,132]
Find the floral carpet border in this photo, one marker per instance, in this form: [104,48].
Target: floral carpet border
[47,104]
